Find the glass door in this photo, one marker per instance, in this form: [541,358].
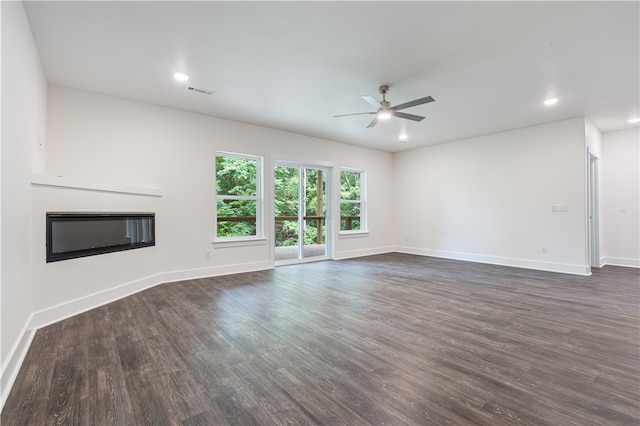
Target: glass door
[300,205]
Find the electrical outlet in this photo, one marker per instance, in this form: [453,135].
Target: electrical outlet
[406,239]
[558,208]
[207,254]
[543,249]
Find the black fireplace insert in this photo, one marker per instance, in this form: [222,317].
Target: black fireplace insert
[72,235]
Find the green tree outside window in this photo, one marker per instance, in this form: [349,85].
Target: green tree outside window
[238,180]
[351,200]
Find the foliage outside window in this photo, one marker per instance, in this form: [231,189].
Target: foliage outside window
[352,201]
[238,196]
[286,205]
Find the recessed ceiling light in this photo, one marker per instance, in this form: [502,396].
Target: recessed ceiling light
[634,120]
[403,137]
[180,76]
[551,101]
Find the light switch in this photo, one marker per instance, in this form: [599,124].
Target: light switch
[558,208]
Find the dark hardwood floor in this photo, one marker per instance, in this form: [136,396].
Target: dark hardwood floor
[389,339]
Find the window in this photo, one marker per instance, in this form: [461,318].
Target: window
[352,201]
[238,196]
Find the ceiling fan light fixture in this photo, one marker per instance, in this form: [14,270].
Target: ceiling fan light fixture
[384,110]
[384,114]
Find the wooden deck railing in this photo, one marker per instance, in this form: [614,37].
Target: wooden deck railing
[321,219]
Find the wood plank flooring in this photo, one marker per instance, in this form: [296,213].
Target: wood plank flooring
[389,339]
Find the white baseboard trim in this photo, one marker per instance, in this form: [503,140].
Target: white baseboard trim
[621,261]
[503,261]
[68,309]
[74,307]
[214,271]
[12,364]
[363,252]
[37,320]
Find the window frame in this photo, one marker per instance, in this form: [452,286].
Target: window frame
[258,198]
[364,229]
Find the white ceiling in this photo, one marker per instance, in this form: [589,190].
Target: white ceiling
[294,65]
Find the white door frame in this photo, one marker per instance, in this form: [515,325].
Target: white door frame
[328,171]
[593,208]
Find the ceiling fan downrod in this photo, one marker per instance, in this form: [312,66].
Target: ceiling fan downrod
[384,90]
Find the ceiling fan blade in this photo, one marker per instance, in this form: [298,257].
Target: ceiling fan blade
[408,116]
[355,113]
[373,123]
[413,103]
[372,101]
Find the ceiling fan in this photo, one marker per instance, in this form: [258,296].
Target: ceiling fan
[384,110]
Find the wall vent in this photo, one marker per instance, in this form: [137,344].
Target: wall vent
[203,91]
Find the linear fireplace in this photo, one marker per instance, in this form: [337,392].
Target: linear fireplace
[71,235]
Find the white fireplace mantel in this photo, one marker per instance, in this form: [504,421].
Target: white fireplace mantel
[71,183]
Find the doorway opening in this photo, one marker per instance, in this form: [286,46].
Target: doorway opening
[593,210]
[300,213]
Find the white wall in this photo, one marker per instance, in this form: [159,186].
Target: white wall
[620,191]
[23,125]
[593,138]
[59,283]
[121,142]
[489,198]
